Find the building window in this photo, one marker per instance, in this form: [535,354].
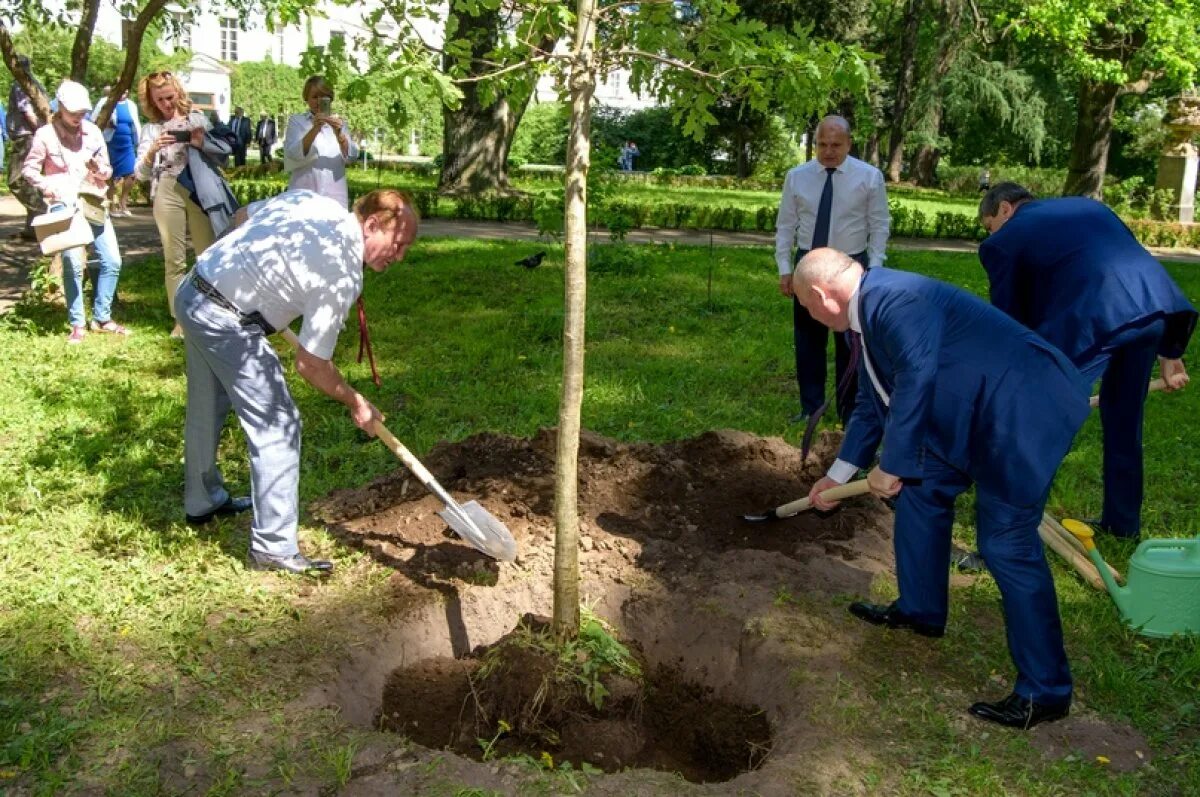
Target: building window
[229,39]
[183,30]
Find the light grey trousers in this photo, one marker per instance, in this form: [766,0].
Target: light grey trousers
[231,367]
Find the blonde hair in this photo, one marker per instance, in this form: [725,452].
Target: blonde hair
[388,203]
[158,80]
[316,83]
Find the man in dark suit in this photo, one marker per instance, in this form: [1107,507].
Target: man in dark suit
[240,126]
[1070,270]
[264,135]
[832,200]
[957,393]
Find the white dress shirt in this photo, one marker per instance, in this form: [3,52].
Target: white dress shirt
[323,169]
[298,254]
[859,220]
[842,471]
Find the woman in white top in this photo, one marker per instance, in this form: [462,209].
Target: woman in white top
[317,145]
[162,155]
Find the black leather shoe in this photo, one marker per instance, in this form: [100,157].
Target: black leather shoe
[892,617]
[232,506]
[298,563]
[1015,711]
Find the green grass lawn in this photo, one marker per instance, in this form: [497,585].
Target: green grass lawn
[125,633]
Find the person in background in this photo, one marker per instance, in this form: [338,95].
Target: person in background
[65,156]
[833,200]
[242,131]
[1069,269]
[21,123]
[264,135]
[162,155]
[122,133]
[985,179]
[317,145]
[628,153]
[3,136]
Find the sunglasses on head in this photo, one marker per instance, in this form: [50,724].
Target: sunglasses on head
[163,74]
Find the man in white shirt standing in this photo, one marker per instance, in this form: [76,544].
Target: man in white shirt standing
[837,201]
[297,254]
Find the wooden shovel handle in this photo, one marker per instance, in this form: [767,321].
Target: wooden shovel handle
[1053,525]
[1155,384]
[832,494]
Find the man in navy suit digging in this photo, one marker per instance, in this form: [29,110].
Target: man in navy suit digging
[956,393]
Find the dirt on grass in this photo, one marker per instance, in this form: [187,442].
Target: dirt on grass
[730,620]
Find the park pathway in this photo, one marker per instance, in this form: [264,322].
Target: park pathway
[138,237]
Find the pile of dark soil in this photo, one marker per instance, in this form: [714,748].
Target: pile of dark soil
[515,698]
[682,499]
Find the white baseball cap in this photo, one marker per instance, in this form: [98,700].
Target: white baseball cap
[73,97]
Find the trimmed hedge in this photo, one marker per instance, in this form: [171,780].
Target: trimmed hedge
[618,213]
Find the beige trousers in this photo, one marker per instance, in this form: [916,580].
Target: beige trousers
[177,215]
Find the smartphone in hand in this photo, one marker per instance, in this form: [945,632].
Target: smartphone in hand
[323,105]
[181,136]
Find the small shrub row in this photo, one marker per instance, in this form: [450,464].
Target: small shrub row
[621,215]
[964,180]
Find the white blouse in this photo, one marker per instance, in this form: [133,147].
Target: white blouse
[323,169]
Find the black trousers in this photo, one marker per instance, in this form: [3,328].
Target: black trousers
[812,368]
[239,155]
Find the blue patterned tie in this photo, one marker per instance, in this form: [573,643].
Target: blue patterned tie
[824,211]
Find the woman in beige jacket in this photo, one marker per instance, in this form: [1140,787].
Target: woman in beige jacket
[162,156]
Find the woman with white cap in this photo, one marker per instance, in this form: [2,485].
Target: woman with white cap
[69,155]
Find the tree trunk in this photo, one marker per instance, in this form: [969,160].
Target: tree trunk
[81,49]
[1093,134]
[41,103]
[741,146]
[923,166]
[905,78]
[133,53]
[477,138]
[566,472]
[871,150]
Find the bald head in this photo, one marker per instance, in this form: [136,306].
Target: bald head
[832,141]
[823,282]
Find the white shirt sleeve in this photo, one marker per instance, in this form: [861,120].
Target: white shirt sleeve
[785,225]
[293,143]
[842,471]
[879,220]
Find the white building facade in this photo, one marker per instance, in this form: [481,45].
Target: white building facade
[216,37]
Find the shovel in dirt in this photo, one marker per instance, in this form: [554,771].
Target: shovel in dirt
[799,505]
[470,520]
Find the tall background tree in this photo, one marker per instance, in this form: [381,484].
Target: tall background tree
[1110,48]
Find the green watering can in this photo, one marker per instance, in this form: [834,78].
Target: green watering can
[1162,598]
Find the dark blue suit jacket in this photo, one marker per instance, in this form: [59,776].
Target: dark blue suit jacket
[1070,270]
[966,383]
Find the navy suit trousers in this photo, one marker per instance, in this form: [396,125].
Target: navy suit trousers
[1124,364]
[1008,540]
[812,369]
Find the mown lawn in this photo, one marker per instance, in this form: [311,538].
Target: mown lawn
[129,640]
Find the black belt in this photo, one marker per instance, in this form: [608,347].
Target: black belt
[254,319]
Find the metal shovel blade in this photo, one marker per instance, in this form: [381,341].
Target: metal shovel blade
[481,529]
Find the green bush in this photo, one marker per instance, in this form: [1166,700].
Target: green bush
[964,180]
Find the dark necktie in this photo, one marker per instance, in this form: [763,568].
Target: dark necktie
[824,211]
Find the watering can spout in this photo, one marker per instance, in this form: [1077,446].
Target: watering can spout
[1083,532]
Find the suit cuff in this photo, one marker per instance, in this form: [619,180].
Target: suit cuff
[842,471]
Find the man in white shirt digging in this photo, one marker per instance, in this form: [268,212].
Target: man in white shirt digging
[298,254]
